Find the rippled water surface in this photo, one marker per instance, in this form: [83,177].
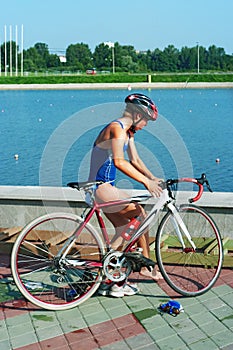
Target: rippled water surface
[52,133]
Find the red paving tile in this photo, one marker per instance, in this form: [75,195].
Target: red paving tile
[54,343]
[124,321]
[131,331]
[80,334]
[103,327]
[88,344]
[108,338]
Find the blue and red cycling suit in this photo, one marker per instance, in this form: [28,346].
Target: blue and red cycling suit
[102,166]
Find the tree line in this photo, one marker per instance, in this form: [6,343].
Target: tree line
[119,58]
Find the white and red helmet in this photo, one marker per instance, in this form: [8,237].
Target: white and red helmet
[143,105]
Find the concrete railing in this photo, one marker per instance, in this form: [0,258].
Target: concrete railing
[19,205]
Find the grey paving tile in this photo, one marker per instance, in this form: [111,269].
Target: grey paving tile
[95,318]
[223,338]
[12,321]
[3,331]
[188,301]
[21,328]
[207,296]
[119,345]
[49,332]
[160,333]
[88,309]
[194,308]
[5,344]
[213,303]
[118,312]
[149,347]
[228,347]
[193,335]
[179,320]
[204,344]
[228,321]
[203,318]
[137,306]
[213,328]
[222,290]
[42,319]
[228,298]
[180,326]
[222,312]
[139,341]
[23,340]
[134,300]
[172,343]
[67,315]
[110,303]
[72,324]
[153,322]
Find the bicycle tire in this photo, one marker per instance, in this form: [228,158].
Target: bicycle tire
[189,272]
[41,277]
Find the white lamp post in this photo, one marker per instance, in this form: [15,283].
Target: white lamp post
[198,59]
[111,45]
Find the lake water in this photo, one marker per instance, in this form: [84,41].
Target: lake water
[52,133]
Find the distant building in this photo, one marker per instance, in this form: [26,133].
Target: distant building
[62,58]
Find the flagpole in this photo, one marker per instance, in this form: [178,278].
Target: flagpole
[22,50]
[16,50]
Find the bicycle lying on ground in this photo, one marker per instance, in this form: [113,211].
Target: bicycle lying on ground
[59,260]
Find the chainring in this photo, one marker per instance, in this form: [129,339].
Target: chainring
[115,266]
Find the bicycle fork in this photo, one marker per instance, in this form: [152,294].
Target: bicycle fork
[179,224]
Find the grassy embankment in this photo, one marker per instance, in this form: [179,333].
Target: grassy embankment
[116,78]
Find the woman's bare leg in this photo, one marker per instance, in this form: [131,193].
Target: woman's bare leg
[119,216]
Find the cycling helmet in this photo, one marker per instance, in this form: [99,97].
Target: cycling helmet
[144,105]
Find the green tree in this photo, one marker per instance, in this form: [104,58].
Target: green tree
[79,56]
[102,57]
[36,60]
[10,47]
[215,57]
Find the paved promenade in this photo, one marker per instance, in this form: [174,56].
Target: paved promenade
[131,322]
[111,86]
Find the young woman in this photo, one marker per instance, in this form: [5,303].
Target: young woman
[108,155]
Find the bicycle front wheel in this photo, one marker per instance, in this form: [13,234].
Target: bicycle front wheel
[55,266]
[189,271]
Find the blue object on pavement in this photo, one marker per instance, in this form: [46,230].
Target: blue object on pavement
[172,307]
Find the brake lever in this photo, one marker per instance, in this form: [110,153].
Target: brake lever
[203,180]
[208,185]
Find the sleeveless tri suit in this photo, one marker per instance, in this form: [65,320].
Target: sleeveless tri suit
[102,166]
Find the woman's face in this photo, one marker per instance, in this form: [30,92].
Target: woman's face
[140,122]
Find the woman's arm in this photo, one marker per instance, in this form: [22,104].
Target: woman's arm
[137,162]
[118,136]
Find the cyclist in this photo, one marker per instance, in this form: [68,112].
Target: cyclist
[108,156]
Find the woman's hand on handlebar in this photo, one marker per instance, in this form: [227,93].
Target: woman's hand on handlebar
[153,186]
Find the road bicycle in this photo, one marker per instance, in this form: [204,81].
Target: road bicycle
[59,260]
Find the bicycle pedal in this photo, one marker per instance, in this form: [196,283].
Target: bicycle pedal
[137,261]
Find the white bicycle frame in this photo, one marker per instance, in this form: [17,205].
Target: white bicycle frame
[164,200]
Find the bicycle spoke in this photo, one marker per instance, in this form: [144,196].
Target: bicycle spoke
[189,271]
[48,279]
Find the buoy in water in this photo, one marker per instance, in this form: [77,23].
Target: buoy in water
[129,87]
[16,156]
[217,160]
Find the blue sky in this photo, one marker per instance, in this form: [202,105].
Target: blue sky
[145,24]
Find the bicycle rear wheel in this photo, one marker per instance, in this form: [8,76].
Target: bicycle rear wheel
[189,272]
[42,276]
